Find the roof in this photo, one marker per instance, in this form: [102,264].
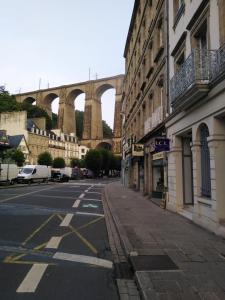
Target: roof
[15,140]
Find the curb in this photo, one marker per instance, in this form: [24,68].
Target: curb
[120,229]
[6,187]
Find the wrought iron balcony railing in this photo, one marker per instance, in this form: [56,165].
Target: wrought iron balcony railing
[218,63]
[192,80]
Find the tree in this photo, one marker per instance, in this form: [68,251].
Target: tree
[45,158]
[93,161]
[59,162]
[107,131]
[105,154]
[16,155]
[74,162]
[79,123]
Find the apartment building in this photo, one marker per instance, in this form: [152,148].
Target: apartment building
[196,125]
[145,99]
[39,140]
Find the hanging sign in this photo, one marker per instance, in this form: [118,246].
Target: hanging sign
[137,150]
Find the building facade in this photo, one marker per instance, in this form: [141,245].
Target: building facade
[144,105]
[196,125]
[39,140]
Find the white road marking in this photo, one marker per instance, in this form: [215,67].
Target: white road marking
[94,193]
[60,197]
[32,279]
[89,214]
[66,221]
[21,195]
[89,205]
[76,203]
[81,196]
[87,199]
[54,242]
[84,259]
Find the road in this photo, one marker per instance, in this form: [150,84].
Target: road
[54,244]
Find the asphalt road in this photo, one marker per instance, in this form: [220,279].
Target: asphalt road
[54,244]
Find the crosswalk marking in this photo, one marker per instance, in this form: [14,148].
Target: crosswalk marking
[32,279]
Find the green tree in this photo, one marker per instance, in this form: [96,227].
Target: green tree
[107,131]
[45,158]
[16,155]
[75,162]
[8,102]
[93,161]
[59,162]
[105,154]
[79,123]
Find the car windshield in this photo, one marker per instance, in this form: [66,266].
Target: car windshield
[27,170]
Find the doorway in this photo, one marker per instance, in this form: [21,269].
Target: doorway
[187,171]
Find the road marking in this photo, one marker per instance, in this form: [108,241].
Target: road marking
[67,220]
[32,279]
[89,205]
[81,196]
[87,199]
[18,196]
[54,242]
[60,197]
[94,193]
[84,259]
[76,203]
[89,214]
[83,239]
[37,230]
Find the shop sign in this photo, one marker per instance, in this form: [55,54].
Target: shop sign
[137,150]
[160,155]
[162,144]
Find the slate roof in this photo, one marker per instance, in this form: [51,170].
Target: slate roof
[15,140]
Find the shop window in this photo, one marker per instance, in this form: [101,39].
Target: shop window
[205,162]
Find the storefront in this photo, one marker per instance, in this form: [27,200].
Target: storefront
[159,165]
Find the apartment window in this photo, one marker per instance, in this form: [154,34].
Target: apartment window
[179,60]
[178,10]
[201,37]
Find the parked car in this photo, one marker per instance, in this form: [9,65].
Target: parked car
[34,173]
[59,176]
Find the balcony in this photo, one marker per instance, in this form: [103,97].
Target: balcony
[195,77]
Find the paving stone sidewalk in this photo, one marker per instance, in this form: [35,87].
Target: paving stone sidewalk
[147,231]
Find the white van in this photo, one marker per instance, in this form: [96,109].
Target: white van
[34,173]
[8,173]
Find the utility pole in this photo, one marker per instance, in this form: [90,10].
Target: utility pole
[39,83]
[89,74]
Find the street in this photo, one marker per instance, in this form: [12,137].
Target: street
[54,243]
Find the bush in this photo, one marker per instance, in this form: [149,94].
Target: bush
[45,158]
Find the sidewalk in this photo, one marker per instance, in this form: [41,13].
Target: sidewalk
[172,258]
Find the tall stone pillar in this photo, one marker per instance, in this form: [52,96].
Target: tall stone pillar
[62,101]
[69,122]
[117,117]
[92,126]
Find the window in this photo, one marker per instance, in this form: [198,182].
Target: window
[178,10]
[205,162]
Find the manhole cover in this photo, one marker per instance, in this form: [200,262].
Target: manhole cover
[152,262]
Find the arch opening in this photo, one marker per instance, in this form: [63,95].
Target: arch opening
[76,99]
[107,94]
[104,145]
[30,100]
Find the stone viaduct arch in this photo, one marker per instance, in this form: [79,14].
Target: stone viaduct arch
[92,126]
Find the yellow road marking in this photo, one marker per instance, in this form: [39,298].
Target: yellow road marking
[37,230]
[24,262]
[83,239]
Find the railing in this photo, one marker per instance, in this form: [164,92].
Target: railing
[195,68]
[201,67]
[218,63]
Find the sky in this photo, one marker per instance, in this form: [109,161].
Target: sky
[55,42]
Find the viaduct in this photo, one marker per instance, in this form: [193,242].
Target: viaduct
[92,126]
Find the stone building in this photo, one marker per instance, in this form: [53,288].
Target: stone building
[196,125]
[144,105]
[39,140]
